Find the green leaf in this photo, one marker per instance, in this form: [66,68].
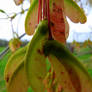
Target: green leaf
[18,81]
[13,62]
[35,61]
[2,11]
[62,75]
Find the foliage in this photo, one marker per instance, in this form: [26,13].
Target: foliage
[27,67]
[82,57]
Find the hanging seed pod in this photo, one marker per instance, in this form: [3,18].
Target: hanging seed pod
[14,44]
[18,2]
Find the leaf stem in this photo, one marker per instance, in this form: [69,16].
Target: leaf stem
[40,11]
[48,15]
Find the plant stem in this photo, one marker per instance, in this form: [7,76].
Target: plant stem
[48,15]
[40,11]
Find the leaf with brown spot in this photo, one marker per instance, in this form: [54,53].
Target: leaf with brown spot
[35,61]
[18,81]
[58,29]
[62,76]
[31,20]
[13,62]
[62,60]
[74,12]
[70,9]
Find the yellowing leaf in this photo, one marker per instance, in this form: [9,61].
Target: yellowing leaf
[74,12]
[66,28]
[61,74]
[35,65]
[71,9]
[32,18]
[50,81]
[18,81]
[14,61]
[64,61]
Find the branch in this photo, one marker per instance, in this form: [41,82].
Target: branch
[22,35]
[6,50]
[15,14]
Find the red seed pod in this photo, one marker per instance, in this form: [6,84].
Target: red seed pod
[57,24]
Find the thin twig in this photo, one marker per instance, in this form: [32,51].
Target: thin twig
[6,50]
[4,18]
[15,14]
[22,35]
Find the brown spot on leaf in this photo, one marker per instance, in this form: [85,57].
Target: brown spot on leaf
[62,72]
[54,4]
[39,77]
[30,23]
[75,80]
[7,78]
[39,51]
[36,25]
[54,75]
[60,10]
[52,24]
[57,24]
[60,88]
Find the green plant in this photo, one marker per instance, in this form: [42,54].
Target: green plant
[27,66]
